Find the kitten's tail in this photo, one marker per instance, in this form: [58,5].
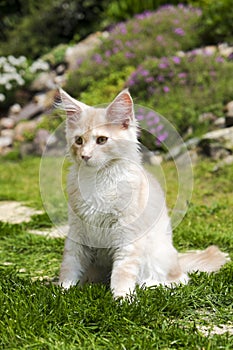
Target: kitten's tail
[208,260]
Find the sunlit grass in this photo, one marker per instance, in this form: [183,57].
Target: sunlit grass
[36,314]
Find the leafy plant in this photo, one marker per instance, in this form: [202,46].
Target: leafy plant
[156,34]
[216,21]
[181,88]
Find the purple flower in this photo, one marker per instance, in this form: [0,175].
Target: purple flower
[150,115]
[115,50]
[150,122]
[143,15]
[108,53]
[163,65]
[162,137]
[219,59]
[144,73]
[129,55]
[160,78]
[179,31]
[140,117]
[159,128]
[176,59]
[152,130]
[97,58]
[182,75]
[123,30]
[131,82]
[151,90]
[118,42]
[166,89]
[149,79]
[128,44]
[156,119]
[79,61]
[159,38]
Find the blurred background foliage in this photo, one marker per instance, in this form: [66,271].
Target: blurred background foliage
[33,27]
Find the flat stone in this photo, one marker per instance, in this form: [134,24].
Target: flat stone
[81,50]
[54,232]
[7,123]
[5,141]
[15,212]
[24,128]
[15,109]
[8,133]
[222,136]
[31,110]
[228,109]
[44,82]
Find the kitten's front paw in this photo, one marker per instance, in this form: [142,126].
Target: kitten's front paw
[123,295]
[66,284]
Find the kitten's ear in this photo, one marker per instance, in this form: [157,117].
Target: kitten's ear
[121,111]
[72,107]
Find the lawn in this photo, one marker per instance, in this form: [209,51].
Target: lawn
[36,314]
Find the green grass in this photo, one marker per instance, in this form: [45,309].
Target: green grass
[36,314]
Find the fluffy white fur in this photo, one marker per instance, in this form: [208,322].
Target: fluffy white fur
[119,225]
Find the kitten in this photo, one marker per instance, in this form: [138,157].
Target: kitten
[119,228]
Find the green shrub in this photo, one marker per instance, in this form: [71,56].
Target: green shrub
[181,88]
[216,22]
[56,55]
[46,24]
[124,9]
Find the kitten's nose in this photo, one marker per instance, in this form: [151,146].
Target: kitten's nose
[86,158]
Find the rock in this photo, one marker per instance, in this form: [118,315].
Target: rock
[80,51]
[54,232]
[223,136]
[44,82]
[178,150]
[7,123]
[219,122]
[5,141]
[226,161]
[8,133]
[213,149]
[45,100]
[15,212]
[228,109]
[61,69]
[31,110]
[151,157]
[24,130]
[26,148]
[207,117]
[15,109]
[217,144]
[225,50]
[40,140]
[209,50]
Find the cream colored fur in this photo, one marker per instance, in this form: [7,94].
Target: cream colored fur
[119,225]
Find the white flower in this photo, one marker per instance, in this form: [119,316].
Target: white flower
[2,97]
[39,65]
[8,86]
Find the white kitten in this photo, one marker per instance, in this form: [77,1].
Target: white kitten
[119,225]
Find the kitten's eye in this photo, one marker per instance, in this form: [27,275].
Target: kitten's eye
[79,140]
[101,140]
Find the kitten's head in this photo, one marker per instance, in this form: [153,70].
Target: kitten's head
[97,136]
